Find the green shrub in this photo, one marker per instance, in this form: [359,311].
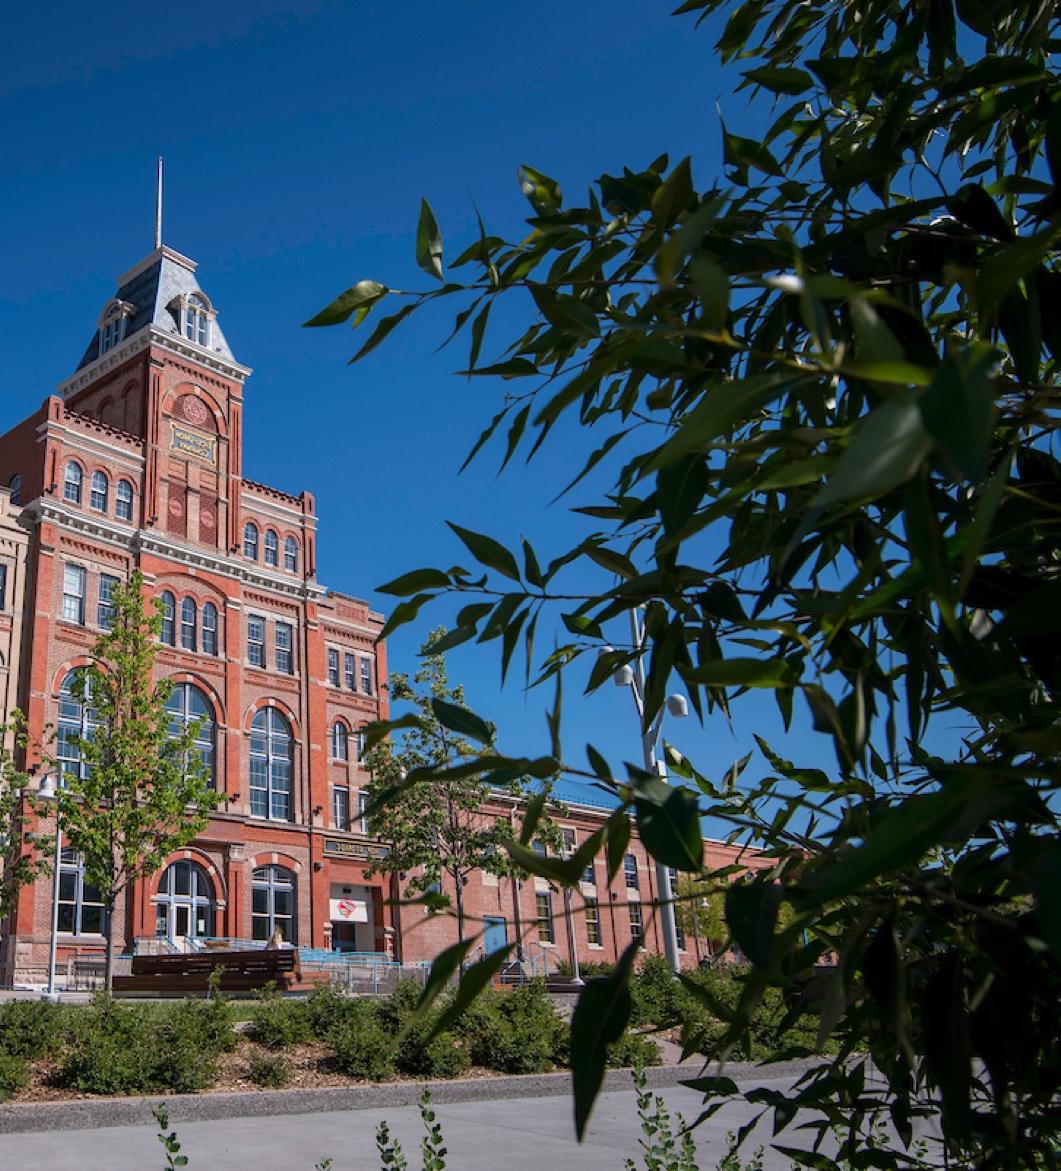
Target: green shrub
[655,994]
[327,1009]
[14,1075]
[362,1048]
[269,1070]
[444,1056]
[525,1033]
[30,1028]
[278,1023]
[634,1051]
[777,1028]
[113,1049]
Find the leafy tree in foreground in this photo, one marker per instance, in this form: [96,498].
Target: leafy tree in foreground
[144,791]
[837,366]
[441,831]
[17,865]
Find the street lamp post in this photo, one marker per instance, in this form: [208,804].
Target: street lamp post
[48,790]
[677,706]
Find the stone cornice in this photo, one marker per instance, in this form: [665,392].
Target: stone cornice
[99,528]
[141,340]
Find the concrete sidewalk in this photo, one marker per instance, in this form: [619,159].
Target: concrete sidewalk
[514,1134]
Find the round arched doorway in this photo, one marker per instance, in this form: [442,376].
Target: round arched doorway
[184,909]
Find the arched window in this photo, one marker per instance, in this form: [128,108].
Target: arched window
[196,320]
[273,903]
[99,491]
[169,616]
[340,741]
[111,331]
[185,905]
[272,548]
[189,621]
[187,705]
[77,724]
[72,483]
[209,628]
[123,500]
[250,540]
[360,743]
[15,484]
[291,555]
[270,758]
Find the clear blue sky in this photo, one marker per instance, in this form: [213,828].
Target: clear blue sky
[299,139]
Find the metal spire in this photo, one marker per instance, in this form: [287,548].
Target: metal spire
[158,206]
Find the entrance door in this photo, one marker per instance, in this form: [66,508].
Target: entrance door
[495,933]
[185,906]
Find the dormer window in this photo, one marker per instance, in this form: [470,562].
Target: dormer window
[112,325]
[197,320]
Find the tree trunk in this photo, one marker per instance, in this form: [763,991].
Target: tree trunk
[108,967]
[459,899]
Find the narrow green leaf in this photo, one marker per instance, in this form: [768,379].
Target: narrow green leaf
[887,449]
[742,673]
[417,579]
[488,552]
[958,409]
[599,1020]
[462,721]
[363,294]
[445,965]
[668,823]
[428,242]
[474,980]
[543,193]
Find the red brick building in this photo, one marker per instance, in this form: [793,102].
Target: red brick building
[137,462]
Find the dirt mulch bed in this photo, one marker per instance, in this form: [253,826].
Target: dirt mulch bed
[309,1066]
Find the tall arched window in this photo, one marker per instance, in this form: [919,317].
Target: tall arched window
[187,705]
[209,628]
[270,758]
[291,555]
[340,741]
[185,905]
[72,482]
[189,621]
[250,540]
[273,903]
[15,484]
[169,618]
[123,500]
[196,320]
[77,723]
[272,548]
[99,491]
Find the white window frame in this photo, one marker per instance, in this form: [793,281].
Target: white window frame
[189,624]
[123,500]
[105,609]
[75,579]
[367,673]
[340,739]
[250,541]
[285,655]
[341,806]
[196,320]
[256,657]
[290,555]
[73,482]
[99,490]
[271,547]
[211,631]
[362,804]
[333,667]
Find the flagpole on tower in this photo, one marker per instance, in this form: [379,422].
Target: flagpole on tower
[158,206]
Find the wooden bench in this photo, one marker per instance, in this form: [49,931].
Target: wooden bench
[239,971]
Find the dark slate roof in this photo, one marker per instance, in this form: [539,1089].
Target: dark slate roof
[151,288]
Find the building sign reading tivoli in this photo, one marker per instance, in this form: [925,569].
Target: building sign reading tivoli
[190,443]
[341,848]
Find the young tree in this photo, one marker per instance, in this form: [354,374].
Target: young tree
[699,913]
[438,828]
[142,791]
[18,866]
[839,359]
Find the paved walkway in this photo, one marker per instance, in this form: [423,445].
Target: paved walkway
[520,1134]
